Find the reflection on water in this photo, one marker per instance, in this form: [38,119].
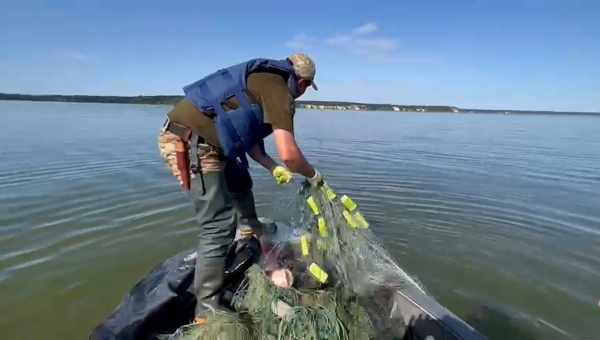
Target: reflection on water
[496,215]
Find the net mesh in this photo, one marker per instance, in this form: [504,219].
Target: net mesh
[343,280]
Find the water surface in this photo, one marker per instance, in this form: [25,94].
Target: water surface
[497,215]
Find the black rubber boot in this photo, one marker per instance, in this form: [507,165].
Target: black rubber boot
[208,283]
[216,217]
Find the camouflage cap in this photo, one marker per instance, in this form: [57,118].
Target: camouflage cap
[304,67]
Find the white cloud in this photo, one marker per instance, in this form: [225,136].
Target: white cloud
[370,47]
[361,40]
[365,29]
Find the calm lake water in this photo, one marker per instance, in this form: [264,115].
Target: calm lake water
[497,215]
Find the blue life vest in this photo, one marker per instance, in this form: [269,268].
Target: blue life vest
[240,129]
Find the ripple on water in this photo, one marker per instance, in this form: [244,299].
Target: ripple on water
[503,209]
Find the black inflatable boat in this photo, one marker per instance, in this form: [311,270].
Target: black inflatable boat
[163,301]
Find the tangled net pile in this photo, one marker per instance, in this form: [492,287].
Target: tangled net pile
[344,281]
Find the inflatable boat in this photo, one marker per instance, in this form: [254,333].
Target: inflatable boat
[163,301]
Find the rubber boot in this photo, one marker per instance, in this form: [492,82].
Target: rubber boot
[208,281]
[217,221]
[245,209]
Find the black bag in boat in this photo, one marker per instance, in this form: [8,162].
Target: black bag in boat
[164,300]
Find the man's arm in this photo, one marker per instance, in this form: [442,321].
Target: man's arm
[290,153]
[258,154]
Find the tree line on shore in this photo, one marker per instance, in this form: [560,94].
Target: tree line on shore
[306,104]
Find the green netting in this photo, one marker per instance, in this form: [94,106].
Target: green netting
[314,315]
[220,326]
[344,281]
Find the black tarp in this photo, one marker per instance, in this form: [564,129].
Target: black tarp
[164,300]
[158,304]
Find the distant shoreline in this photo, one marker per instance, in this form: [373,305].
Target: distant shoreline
[301,104]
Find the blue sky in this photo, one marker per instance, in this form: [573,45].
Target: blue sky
[529,54]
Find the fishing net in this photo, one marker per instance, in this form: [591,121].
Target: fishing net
[324,277]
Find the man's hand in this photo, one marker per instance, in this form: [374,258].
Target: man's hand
[282,175]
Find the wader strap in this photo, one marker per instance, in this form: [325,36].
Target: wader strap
[194,162]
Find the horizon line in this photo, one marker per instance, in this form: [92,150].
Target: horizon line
[2,94]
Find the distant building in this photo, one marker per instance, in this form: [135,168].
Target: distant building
[395,108]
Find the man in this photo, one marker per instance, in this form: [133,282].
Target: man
[223,117]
